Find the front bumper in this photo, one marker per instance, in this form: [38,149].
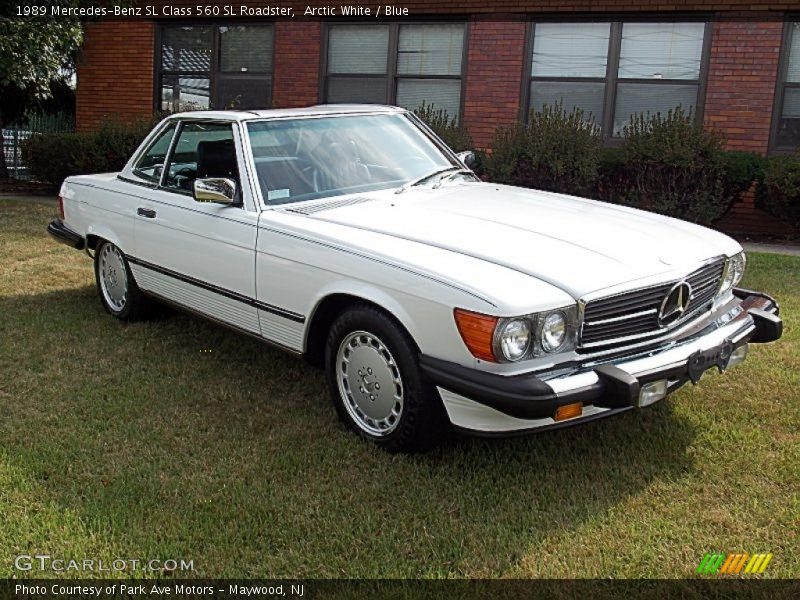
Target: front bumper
[489,403]
[65,235]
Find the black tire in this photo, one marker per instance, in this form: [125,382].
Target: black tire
[422,422]
[135,305]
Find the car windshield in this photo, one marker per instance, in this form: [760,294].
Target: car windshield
[304,159]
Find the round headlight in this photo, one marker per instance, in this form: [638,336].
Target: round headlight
[554,331]
[514,339]
[727,277]
[739,262]
[734,270]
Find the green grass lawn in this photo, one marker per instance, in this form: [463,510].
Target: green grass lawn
[176,438]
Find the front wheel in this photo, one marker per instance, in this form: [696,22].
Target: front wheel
[117,288]
[376,385]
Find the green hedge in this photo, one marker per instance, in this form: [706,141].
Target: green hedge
[52,157]
[556,151]
[665,163]
[672,165]
[778,189]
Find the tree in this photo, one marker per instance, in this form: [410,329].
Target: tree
[37,54]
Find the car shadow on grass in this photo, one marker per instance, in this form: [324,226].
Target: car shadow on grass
[182,438]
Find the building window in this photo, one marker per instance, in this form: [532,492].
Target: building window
[786,124]
[403,64]
[613,70]
[215,66]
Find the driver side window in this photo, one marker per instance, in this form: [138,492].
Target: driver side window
[202,150]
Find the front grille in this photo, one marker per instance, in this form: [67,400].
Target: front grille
[627,317]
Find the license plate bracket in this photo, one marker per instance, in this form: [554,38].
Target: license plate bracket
[702,360]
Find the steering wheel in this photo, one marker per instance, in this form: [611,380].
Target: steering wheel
[185,172]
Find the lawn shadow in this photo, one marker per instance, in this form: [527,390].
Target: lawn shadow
[179,436]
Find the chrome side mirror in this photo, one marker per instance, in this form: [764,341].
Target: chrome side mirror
[468,158]
[219,190]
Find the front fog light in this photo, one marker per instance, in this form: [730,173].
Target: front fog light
[737,356]
[514,339]
[652,392]
[554,331]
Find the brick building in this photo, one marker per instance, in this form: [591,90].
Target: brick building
[735,63]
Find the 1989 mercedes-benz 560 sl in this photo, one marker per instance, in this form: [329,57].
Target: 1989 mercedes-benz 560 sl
[354,236]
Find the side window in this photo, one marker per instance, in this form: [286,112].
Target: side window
[202,150]
[151,163]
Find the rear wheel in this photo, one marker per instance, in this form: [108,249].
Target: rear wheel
[376,385]
[118,291]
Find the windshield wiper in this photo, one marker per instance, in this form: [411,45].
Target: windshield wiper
[419,180]
[451,175]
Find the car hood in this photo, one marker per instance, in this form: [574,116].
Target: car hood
[578,245]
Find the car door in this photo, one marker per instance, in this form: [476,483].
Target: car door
[196,254]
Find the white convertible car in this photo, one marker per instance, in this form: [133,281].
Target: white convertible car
[352,235]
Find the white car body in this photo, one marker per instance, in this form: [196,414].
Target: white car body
[266,269]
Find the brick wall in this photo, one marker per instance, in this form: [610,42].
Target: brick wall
[297,58]
[115,73]
[741,86]
[494,75]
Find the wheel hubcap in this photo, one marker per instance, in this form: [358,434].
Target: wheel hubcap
[113,277]
[369,383]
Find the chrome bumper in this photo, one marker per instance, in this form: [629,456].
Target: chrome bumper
[486,403]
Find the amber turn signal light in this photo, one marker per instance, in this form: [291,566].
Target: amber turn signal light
[477,331]
[569,411]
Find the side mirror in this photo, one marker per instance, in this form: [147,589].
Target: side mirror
[468,158]
[215,189]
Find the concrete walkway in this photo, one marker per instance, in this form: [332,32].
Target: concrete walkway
[788,249]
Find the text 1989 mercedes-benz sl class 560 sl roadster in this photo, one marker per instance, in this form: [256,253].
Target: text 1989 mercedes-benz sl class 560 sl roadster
[354,236]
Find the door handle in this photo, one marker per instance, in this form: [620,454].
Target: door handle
[146,212]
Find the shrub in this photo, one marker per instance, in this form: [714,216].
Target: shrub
[447,128]
[53,157]
[739,171]
[672,165]
[778,191]
[555,151]
[612,175]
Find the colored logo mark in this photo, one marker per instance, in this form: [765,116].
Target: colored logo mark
[713,564]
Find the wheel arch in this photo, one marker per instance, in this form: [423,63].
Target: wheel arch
[95,235]
[332,303]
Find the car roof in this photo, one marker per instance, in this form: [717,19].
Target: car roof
[283,113]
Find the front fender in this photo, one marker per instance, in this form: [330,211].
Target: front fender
[429,323]
[368,293]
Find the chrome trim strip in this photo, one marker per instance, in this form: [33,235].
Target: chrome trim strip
[276,310]
[644,313]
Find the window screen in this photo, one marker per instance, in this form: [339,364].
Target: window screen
[220,66]
[614,70]
[570,49]
[425,67]
[569,67]
[245,49]
[787,120]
